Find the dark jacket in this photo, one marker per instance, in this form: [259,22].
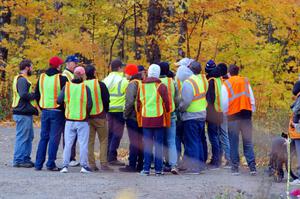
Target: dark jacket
[105,99]
[130,98]
[155,122]
[61,97]
[62,81]
[212,115]
[24,107]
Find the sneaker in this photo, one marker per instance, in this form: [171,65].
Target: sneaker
[295,182]
[74,163]
[64,170]
[32,163]
[128,169]
[174,171]
[253,172]
[212,167]
[235,171]
[85,170]
[167,169]
[227,165]
[106,168]
[54,169]
[116,163]
[23,165]
[144,173]
[159,173]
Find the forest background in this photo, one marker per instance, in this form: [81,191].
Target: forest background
[260,36]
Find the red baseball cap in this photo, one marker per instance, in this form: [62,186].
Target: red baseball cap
[131,69]
[55,62]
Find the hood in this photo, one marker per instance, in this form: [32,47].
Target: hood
[183,73]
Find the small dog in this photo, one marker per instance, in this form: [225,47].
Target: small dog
[279,157]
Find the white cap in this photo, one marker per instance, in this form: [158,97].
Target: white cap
[154,71]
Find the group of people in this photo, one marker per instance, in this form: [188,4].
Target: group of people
[165,113]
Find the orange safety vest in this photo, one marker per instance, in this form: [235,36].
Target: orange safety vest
[238,94]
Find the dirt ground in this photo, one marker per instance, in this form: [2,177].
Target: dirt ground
[27,183]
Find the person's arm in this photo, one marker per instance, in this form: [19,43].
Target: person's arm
[163,91]
[211,93]
[225,100]
[176,97]
[188,93]
[37,92]
[63,81]
[23,89]
[130,98]
[89,100]
[61,97]
[104,96]
[252,99]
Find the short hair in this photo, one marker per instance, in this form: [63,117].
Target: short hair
[234,70]
[25,63]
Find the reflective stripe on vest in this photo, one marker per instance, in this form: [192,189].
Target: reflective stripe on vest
[179,85]
[199,102]
[75,101]
[95,88]
[238,94]
[16,96]
[117,97]
[69,75]
[151,101]
[49,87]
[138,83]
[171,91]
[218,93]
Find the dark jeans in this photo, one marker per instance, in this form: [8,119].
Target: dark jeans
[179,138]
[193,135]
[116,125]
[245,128]
[204,145]
[213,135]
[155,135]
[136,152]
[52,123]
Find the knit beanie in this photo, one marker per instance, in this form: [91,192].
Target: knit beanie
[195,67]
[164,68]
[154,71]
[131,69]
[223,68]
[296,88]
[141,68]
[55,62]
[210,65]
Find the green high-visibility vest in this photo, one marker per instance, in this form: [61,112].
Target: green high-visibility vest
[171,91]
[152,104]
[75,101]
[218,93]
[16,96]
[69,75]
[49,87]
[199,102]
[95,88]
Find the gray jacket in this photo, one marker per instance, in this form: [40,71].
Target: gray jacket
[130,98]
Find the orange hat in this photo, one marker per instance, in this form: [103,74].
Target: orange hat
[131,69]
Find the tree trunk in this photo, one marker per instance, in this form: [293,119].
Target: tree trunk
[182,30]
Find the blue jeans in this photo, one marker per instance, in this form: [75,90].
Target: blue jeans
[170,143]
[52,124]
[24,138]
[179,138]
[212,130]
[155,135]
[193,135]
[245,128]
[224,140]
[136,152]
[116,125]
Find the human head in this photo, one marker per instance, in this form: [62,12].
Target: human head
[56,62]
[234,70]
[131,70]
[90,71]
[142,71]
[154,71]
[195,67]
[210,65]
[116,65]
[222,68]
[164,68]
[79,73]
[184,62]
[25,66]
[71,62]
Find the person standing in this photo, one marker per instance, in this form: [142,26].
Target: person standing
[52,120]
[78,104]
[154,115]
[170,134]
[71,63]
[193,114]
[135,133]
[97,121]
[239,104]
[24,107]
[116,84]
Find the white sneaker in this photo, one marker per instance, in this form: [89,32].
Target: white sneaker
[85,170]
[295,182]
[64,170]
[74,163]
